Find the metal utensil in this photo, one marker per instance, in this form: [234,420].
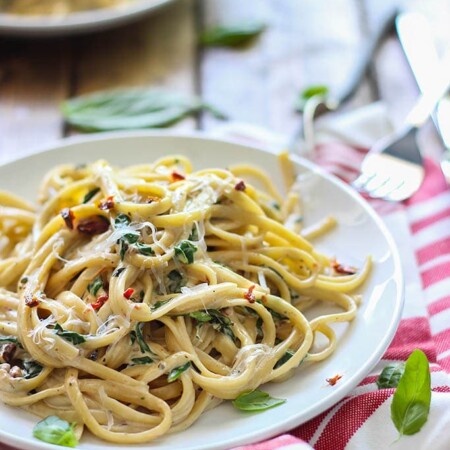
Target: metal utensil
[393,169]
[416,36]
[320,104]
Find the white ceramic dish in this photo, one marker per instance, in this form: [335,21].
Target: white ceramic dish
[360,232]
[78,22]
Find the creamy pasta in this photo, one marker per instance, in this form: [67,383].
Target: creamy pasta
[135,299]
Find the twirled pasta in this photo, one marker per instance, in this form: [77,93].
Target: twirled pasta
[135,299]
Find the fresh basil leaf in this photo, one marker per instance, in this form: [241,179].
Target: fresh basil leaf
[118,271]
[232,35]
[55,431]
[412,398]
[390,376]
[176,281]
[221,323]
[174,374]
[309,92]
[91,194]
[123,249]
[71,336]
[184,251]
[158,304]
[137,335]
[194,234]
[32,369]
[285,358]
[130,238]
[256,401]
[141,361]
[200,316]
[131,109]
[121,220]
[95,286]
[144,249]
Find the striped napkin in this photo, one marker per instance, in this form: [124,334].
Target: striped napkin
[421,229]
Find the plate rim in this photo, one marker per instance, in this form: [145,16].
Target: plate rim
[77,22]
[342,390]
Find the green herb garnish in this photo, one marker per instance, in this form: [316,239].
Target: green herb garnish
[144,249]
[309,92]
[10,339]
[232,35]
[122,220]
[32,369]
[91,194]
[176,281]
[184,251]
[131,109]
[158,304]
[56,431]
[256,401]
[285,358]
[137,335]
[118,271]
[71,336]
[95,286]
[141,361]
[412,398]
[200,316]
[390,376]
[174,374]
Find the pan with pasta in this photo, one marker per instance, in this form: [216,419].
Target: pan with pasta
[135,299]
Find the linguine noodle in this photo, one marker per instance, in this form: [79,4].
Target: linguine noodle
[133,300]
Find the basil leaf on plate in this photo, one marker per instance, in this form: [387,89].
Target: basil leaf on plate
[390,376]
[232,35]
[174,374]
[256,401]
[71,336]
[131,109]
[412,398]
[55,431]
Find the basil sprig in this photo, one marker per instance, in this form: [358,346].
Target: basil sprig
[174,374]
[131,109]
[411,401]
[55,431]
[71,336]
[390,376]
[232,35]
[184,252]
[256,401]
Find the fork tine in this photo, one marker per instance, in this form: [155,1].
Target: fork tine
[362,180]
[390,186]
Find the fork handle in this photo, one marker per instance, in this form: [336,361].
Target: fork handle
[428,100]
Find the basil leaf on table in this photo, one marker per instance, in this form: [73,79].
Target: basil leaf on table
[256,401]
[55,431]
[232,35]
[131,109]
[390,376]
[412,398]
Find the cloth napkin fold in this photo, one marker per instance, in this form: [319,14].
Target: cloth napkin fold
[421,229]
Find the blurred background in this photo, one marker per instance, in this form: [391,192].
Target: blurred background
[304,43]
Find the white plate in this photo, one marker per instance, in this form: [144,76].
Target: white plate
[78,22]
[360,233]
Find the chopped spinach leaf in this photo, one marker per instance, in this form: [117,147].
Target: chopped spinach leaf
[175,373]
[184,251]
[71,336]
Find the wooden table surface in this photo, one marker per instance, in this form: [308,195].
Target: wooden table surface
[307,42]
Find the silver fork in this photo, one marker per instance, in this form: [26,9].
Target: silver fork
[393,168]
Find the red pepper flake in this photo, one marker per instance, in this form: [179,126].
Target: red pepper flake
[128,293]
[101,300]
[68,217]
[31,301]
[249,294]
[240,186]
[334,380]
[176,176]
[107,204]
[345,270]
[93,225]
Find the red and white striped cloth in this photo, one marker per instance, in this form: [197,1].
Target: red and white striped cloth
[421,228]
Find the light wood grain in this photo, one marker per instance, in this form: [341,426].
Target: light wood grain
[158,51]
[33,82]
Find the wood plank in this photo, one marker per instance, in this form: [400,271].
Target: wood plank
[158,51]
[33,81]
[307,42]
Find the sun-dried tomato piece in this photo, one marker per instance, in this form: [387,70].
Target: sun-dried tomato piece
[68,217]
[176,176]
[345,270]
[249,294]
[332,381]
[93,225]
[107,204]
[240,186]
[101,300]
